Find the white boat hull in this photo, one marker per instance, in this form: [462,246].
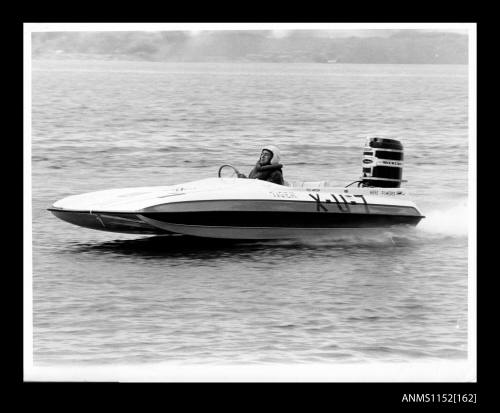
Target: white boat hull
[256,233]
[240,209]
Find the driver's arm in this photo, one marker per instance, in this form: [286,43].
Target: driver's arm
[271,167]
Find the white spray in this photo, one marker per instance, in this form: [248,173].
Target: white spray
[450,220]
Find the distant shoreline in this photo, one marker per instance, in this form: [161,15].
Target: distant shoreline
[131,58]
[401,47]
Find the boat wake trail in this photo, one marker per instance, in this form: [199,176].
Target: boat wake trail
[384,238]
[452,221]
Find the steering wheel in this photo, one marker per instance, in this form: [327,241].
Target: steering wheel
[235,171]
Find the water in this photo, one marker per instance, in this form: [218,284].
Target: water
[106,299]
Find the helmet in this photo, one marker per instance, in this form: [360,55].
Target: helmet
[275,151]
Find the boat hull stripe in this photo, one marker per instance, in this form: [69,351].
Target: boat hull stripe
[355,205]
[283,219]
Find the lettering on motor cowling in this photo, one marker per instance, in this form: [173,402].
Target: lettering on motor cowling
[394,163]
[340,200]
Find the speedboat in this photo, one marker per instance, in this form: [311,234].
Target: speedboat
[236,208]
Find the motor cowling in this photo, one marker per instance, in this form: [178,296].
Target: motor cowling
[382,163]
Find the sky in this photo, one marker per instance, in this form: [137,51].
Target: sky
[279,29]
[278,33]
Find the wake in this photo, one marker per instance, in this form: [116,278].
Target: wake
[450,221]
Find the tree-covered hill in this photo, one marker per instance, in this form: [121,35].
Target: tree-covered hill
[402,46]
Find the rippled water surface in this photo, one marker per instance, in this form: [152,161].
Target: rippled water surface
[103,298]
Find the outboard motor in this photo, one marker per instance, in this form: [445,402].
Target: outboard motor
[382,163]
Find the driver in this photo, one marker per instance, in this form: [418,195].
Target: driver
[267,167]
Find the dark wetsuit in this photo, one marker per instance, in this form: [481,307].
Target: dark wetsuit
[270,173]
